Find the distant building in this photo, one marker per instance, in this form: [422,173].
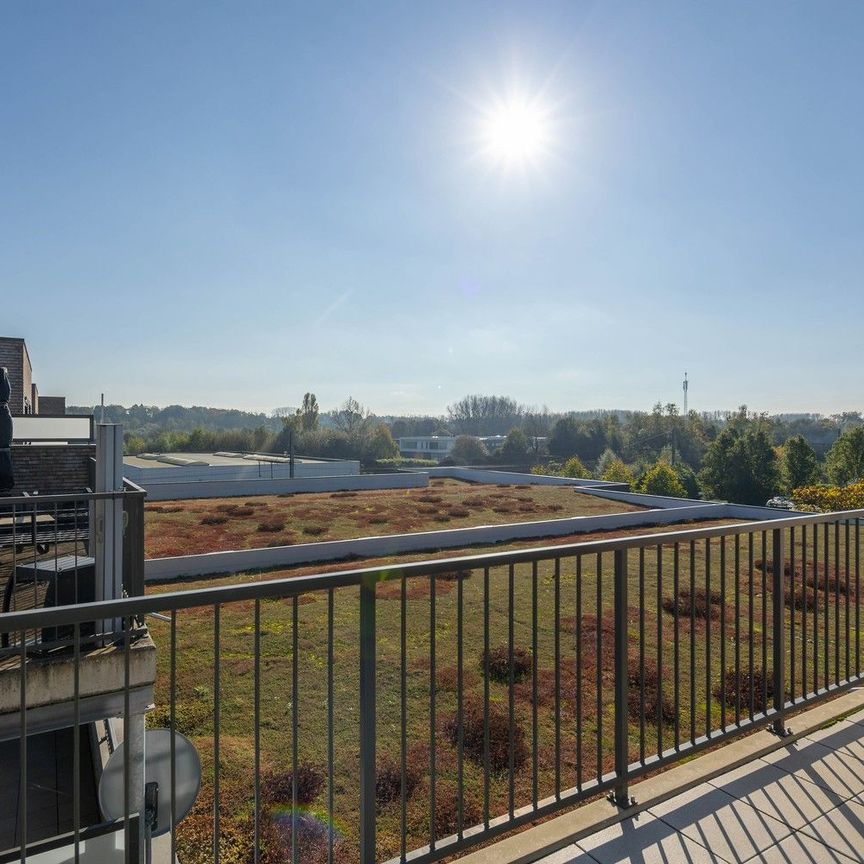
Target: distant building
[25,394]
[435,447]
[438,447]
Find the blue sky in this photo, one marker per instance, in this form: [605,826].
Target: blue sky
[232,203]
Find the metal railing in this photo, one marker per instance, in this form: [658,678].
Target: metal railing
[408,712]
[48,552]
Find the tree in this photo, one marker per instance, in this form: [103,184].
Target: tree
[484,415]
[741,465]
[617,472]
[845,460]
[798,463]
[661,479]
[467,450]
[515,446]
[381,444]
[574,467]
[308,414]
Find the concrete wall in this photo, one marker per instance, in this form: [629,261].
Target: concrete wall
[247,488]
[165,569]
[52,469]
[483,475]
[642,499]
[254,471]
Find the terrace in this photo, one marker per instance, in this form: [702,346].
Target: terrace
[420,709]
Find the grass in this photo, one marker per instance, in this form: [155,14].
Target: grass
[210,525]
[688,697]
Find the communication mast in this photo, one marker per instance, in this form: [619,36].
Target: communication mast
[684,386]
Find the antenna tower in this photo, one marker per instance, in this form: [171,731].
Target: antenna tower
[684,386]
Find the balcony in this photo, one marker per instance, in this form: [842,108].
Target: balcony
[414,712]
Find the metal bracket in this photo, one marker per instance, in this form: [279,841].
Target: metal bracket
[626,804]
[784,733]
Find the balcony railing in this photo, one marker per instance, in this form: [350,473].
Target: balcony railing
[409,712]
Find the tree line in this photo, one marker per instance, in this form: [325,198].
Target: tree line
[736,455]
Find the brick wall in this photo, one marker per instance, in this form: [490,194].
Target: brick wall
[52,406]
[51,469]
[13,355]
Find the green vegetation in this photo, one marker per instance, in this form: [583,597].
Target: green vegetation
[735,455]
[713,601]
[662,480]
[845,462]
[741,465]
[213,524]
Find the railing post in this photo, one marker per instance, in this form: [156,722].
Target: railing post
[367,720]
[133,543]
[778,618]
[622,743]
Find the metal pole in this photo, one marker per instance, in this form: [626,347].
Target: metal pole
[367,720]
[622,755]
[778,617]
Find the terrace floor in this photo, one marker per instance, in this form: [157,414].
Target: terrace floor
[802,803]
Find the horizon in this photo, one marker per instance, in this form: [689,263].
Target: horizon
[568,202]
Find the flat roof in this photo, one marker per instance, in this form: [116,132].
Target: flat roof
[186,460]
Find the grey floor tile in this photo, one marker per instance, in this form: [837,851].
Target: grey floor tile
[810,760]
[731,829]
[645,840]
[777,793]
[845,737]
[857,717]
[842,829]
[801,849]
[571,855]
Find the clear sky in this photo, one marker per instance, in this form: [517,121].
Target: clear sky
[232,203]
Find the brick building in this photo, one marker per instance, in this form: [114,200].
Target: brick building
[25,395]
[14,356]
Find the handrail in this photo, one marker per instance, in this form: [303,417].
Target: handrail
[294,586]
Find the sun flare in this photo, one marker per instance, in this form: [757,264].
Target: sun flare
[515,132]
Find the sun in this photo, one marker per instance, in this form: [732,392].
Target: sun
[515,132]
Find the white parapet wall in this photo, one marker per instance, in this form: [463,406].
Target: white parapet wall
[218,563]
[251,488]
[490,475]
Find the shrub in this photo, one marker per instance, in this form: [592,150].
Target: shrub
[455,575]
[805,599]
[278,787]
[314,530]
[575,468]
[702,604]
[388,781]
[745,684]
[429,499]
[459,512]
[312,837]
[648,677]
[214,520]
[344,495]
[447,810]
[271,526]
[661,479]
[497,663]
[499,735]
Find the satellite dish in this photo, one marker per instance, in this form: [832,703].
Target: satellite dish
[157,769]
